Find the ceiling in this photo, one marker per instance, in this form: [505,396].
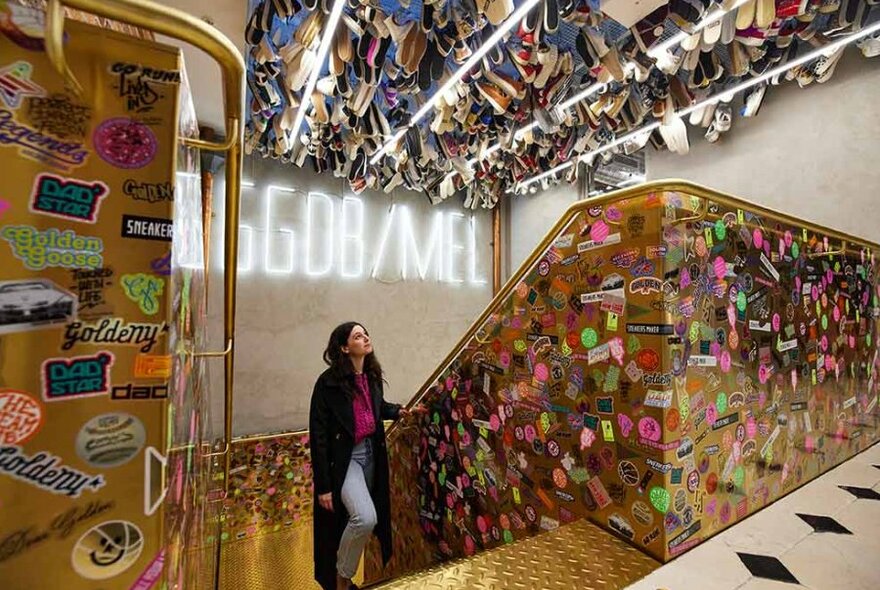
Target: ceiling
[647,69]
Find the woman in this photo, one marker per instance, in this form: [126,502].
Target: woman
[349,459]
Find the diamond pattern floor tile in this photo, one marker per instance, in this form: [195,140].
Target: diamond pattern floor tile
[765,566]
[824,524]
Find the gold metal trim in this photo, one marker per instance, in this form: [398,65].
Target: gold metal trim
[55,45]
[841,250]
[184,27]
[676,185]
[212,354]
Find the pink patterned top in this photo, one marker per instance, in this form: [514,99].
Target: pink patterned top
[364,419]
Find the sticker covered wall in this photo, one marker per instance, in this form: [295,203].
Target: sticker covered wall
[80,303]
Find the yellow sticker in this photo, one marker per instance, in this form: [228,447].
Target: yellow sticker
[516,497]
[708,234]
[484,432]
[471,471]
[481,478]
[804,230]
[740,218]
[480,455]
[611,323]
[814,376]
[607,431]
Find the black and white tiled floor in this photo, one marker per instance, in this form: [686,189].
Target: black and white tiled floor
[823,536]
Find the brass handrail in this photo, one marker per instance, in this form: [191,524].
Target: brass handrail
[184,27]
[671,185]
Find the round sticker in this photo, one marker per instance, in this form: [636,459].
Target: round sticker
[560,480]
[720,230]
[741,301]
[680,500]
[543,268]
[673,419]
[599,231]
[110,440]
[720,267]
[530,433]
[21,417]
[725,361]
[649,428]
[648,360]
[693,481]
[659,499]
[758,238]
[628,473]
[125,143]
[107,550]
[795,250]
[711,483]
[613,213]
[642,513]
[589,338]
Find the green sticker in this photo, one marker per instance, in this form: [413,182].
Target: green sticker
[695,331]
[824,322]
[741,301]
[519,345]
[659,499]
[566,349]
[795,250]
[484,432]
[545,421]
[720,230]
[721,402]
[516,497]
[633,344]
[589,338]
[144,290]
[508,536]
[818,308]
[739,476]
[611,322]
[436,418]
[289,475]
[460,429]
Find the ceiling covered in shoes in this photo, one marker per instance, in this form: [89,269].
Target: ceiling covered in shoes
[480,98]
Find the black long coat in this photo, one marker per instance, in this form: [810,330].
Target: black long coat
[331,434]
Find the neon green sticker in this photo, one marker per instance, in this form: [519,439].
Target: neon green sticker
[633,344]
[607,431]
[484,432]
[739,476]
[460,429]
[519,345]
[659,499]
[611,322]
[508,537]
[454,393]
[545,421]
[824,322]
[436,418]
[589,338]
[741,301]
[721,402]
[516,497]
[795,250]
[818,308]
[695,331]
[720,230]
[144,290]
[684,405]
[566,349]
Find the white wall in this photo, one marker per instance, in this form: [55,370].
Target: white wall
[284,320]
[811,152]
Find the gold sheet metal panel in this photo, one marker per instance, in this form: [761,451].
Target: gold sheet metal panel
[668,361]
[84,305]
[561,559]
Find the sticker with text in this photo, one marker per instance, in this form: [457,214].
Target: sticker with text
[67,198]
[21,417]
[46,471]
[114,331]
[39,146]
[76,377]
[144,290]
[53,248]
[147,228]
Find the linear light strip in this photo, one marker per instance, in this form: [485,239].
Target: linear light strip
[709,19]
[323,49]
[827,49]
[512,21]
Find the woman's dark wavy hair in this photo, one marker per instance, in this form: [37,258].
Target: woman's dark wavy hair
[340,364]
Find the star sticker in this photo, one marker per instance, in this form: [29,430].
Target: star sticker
[15,84]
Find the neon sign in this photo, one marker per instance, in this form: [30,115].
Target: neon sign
[337,238]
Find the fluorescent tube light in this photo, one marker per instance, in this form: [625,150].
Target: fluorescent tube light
[323,49]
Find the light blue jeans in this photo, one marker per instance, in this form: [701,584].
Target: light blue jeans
[361,512]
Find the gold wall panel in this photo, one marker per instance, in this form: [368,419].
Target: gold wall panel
[85,309]
[668,361]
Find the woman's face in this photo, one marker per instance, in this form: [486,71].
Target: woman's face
[359,344]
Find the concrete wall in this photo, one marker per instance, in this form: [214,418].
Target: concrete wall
[811,152]
[284,319]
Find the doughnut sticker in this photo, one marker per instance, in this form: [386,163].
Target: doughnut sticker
[21,417]
[125,143]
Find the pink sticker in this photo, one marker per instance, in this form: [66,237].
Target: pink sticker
[823,343]
[531,433]
[777,322]
[700,247]
[541,372]
[481,524]
[504,359]
[788,239]
[725,361]
[649,428]
[836,313]
[125,143]
[4,205]
[616,347]
[151,574]
[751,427]
[599,231]
[614,213]
[588,437]
[720,267]
[797,284]
[731,315]
[758,238]
[814,292]
[625,423]
[685,279]
[711,414]
[494,423]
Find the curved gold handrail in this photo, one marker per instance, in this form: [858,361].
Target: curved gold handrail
[184,27]
[673,185]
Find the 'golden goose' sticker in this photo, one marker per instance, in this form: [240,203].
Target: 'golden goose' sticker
[107,550]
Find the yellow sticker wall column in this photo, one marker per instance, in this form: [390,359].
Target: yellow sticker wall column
[86,197]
